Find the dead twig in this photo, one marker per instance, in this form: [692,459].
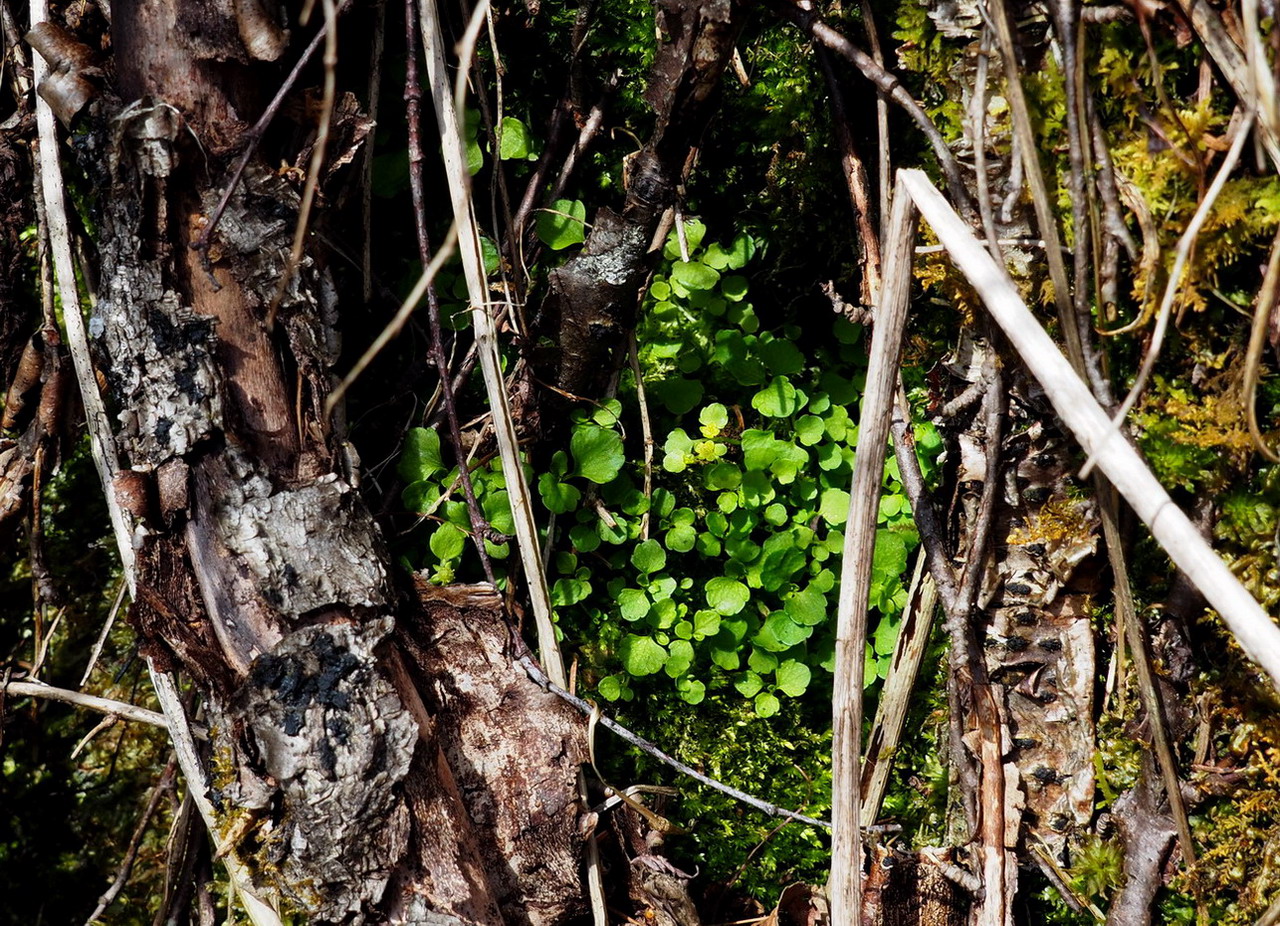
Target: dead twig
[537,675]
[135,843]
[1268,297]
[845,887]
[256,132]
[121,709]
[318,151]
[106,630]
[1025,141]
[413,115]
[891,714]
[1136,636]
[800,13]
[646,432]
[1181,258]
[855,177]
[1253,629]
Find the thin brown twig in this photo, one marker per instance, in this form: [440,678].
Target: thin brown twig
[932,536]
[1262,312]
[1070,28]
[883,152]
[799,13]
[106,630]
[1025,141]
[254,136]
[413,99]
[978,131]
[646,432]
[855,176]
[135,842]
[318,151]
[1136,636]
[366,173]
[993,407]
[539,677]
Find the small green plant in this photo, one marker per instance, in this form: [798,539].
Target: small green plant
[723,576]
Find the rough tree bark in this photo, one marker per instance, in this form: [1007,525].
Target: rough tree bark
[364,775]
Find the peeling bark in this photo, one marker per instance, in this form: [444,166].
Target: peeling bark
[514,750]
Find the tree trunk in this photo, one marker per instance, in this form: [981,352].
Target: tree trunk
[363,774]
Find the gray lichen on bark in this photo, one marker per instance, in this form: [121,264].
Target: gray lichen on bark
[309,547]
[333,735]
[161,368]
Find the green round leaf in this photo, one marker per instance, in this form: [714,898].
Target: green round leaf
[556,495]
[584,537]
[781,357]
[885,636]
[780,632]
[807,607]
[720,476]
[809,429]
[734,287]
[515,140]
[448,541]
[633,603]
[834,506]
[793,677]
[748,684]
[648,556]
[681,658]
[706,624]
[767,704]
[610,687]
[691,690]
[420,458]
[420,496]
[714,415]
[562,225]
[727,596]
[678,394]
[641,655]
[569,591]
[779,399]
[681,538]
[597,452]
[693,276]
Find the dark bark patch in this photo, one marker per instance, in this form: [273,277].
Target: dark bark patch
[331,731]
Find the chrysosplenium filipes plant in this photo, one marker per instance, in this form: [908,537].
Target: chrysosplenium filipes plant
[724,573]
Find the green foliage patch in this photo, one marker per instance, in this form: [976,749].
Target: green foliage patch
[722,578]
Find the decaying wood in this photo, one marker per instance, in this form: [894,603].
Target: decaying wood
[891,713]
[855,578]
[260,573]
[1148,832]
[912,889]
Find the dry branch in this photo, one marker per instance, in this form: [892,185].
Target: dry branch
[1255,631]
[855,576]
[121,709]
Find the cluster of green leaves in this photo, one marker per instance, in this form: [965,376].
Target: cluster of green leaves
[724,575]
